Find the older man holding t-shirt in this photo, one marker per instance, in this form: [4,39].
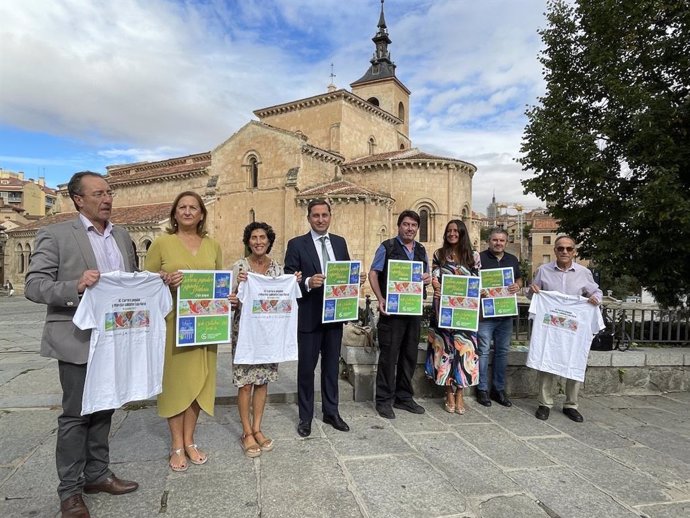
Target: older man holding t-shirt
[565,276]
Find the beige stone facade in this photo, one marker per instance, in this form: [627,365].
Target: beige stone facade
[350,147]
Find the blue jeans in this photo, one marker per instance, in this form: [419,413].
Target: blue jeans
[499,329]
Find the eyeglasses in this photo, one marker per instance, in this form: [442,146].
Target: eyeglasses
[565,248]
[100,194]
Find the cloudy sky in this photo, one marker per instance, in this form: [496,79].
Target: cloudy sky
[90,83]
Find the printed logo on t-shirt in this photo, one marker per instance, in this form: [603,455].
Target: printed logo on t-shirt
[561,319]
[271,306]
[126,320]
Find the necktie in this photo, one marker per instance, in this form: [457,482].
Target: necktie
[324,254]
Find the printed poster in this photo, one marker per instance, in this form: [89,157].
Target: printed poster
[404,287]
[203,308]
[459,304]
[496,300]
[341,291]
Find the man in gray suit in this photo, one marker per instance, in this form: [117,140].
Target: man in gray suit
[68,258]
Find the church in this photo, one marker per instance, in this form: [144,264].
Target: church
[351,147]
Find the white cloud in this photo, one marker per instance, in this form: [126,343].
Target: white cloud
[140,79]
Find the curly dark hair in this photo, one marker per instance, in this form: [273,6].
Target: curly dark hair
[255,225]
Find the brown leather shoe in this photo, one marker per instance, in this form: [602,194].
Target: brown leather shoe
[74,507]
[112,485]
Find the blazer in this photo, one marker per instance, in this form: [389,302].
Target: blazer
[301,256]
[63,252]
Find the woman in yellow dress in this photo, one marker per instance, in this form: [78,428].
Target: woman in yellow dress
[189,373]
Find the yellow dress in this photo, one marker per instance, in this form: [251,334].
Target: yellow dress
[189,373]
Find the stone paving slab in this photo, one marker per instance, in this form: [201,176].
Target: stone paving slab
[674,510]
[613,477]
[668,469]
[514,506]
[404,486]
[22,431]
[470,472]
[504,448]
[566,495]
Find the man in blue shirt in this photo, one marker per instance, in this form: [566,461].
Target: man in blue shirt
[398,335]
[498,329]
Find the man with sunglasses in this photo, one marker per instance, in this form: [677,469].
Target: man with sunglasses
[565,276]
[68,258]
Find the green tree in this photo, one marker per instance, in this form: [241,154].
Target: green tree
[609,142]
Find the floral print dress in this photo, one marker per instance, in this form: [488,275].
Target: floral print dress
[251,374]
[451,357]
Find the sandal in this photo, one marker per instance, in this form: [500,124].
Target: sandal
[449,408]
[459,404]
[203,457]
[266,444]
[250,451]
[180,453]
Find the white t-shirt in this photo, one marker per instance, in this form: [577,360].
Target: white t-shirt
[126,312]
[268,320]
[562,333]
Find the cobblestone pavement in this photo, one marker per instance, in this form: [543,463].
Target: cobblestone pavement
[631,456]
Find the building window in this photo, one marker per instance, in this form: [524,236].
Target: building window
[546,258]
[20,259]
[372,145]
[401,111]
[424,224]
[252,216]
[546,240]
[373,100]
[253,172]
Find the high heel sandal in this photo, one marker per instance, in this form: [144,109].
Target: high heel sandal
[180,453]
[449,406]
[250,451]
[460,404]
[203,457]
[265,445]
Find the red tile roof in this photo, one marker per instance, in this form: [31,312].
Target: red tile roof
[402,155]
[135,215]
[168,168]
[339,188]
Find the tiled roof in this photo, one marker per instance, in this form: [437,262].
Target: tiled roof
[402,155]
[168,168]
[340,188]
[135,215]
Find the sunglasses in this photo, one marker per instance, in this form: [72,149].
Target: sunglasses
[565,248]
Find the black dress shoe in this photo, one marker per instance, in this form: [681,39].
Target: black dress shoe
[112,485]
[483,398]
[386,412]
[573,414]
[542,412]
[410,405]
[500,397]
[74,507]
[336,422]
[304,429]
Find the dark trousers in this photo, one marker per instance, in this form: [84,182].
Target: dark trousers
[398,344]
[325,340]
[82,454]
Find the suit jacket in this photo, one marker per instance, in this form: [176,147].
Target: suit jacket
[63,252]
[301,256]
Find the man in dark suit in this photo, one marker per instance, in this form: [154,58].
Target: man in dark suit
[309,254]
[68,258]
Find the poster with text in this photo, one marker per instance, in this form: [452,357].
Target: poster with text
[203,308]
[459,304]
[404,287]
[497,301]
[341,291]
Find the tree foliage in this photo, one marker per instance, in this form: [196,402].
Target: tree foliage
[609,142]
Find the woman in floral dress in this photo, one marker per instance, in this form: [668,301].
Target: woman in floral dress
[452,359]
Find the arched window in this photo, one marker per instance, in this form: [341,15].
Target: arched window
[402,146]
[373,100]
[401,111]
[424,224]
[20,258]
[252,216]
[372,145]
[253,172]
